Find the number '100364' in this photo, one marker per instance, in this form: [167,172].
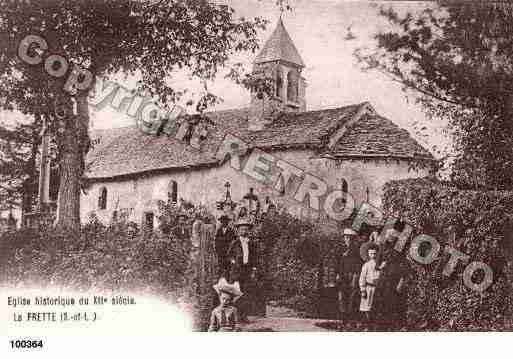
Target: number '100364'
[26,344]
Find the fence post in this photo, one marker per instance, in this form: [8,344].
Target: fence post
[206,269]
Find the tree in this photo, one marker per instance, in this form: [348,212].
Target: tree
[146,37]
[457,56]
[18,172]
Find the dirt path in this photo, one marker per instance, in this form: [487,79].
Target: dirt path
[281,319]
[282,324]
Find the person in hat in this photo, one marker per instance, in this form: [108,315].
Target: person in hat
[396,271]
[225,235]
[368,282]
[224,317]
[242,254]
[181,233]
[350,265]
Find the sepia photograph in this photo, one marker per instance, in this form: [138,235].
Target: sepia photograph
[177,166]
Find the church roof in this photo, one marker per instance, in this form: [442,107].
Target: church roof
[128,151]
[279,46]
[376,136]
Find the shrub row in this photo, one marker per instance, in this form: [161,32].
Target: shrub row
[94,258]
[477,223]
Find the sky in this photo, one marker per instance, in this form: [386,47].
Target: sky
[334,78]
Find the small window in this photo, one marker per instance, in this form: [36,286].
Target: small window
[292,86]
[279,84]
[102,199]
[344,186]
[173,191]
[148,221]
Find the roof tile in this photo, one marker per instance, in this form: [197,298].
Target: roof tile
[126,151]
[279,46]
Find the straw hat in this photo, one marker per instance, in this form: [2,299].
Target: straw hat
[349,232]
[223,286]
[244,221]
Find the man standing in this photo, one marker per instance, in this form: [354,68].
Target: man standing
[242,255]
[395,273]
[350,267]
[224,236]
[181,231]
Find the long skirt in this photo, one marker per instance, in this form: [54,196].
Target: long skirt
[328,303]
[350,300]
[366,304]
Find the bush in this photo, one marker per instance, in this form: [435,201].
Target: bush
[477,223]
[117,257]
[94,258]
[291,265]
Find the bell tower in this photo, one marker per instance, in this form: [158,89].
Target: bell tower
[279,60]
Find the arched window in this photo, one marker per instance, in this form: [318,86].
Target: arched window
[292,86]
[344,186]
[173,191]
[102,198]
[279,83]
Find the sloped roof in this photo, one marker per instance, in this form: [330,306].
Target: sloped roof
[128,151]
[279,46]
[375,136]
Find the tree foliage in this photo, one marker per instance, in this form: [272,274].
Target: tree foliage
[457,57]
[18,148]
[146,38]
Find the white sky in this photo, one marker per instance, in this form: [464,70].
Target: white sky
[318,29]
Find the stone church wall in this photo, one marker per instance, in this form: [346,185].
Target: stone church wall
[139,195]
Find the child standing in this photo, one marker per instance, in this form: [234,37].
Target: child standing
[369,278]
[224,318]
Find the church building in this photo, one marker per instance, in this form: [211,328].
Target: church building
[351,148]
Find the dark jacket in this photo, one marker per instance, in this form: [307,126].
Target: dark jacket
[223,240]
[238,270]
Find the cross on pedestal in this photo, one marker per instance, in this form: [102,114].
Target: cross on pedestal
[227,204]
[228,195]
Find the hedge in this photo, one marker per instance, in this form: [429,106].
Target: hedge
[94,258]
[477,223]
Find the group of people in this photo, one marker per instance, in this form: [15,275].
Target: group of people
[238,254]
[364,283]
[361,281]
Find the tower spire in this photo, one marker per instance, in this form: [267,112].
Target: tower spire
[279,61]
[280,47]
